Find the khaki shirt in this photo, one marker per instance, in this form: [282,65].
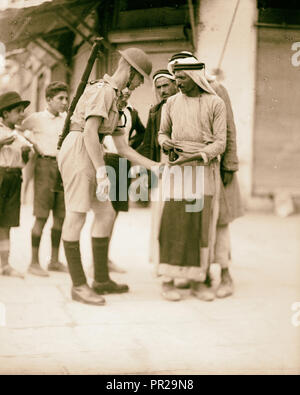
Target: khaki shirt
[44,129]
[99,99]
[11,155]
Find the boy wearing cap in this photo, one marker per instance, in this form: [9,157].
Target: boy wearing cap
[44,129]
[14,154]
[85,179]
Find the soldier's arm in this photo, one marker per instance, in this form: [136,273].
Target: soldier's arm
[130,154]
[91,141]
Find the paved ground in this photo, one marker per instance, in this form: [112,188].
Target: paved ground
[139,333]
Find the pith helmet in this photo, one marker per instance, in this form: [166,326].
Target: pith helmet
[138,60]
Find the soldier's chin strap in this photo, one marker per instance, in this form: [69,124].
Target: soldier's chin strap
[131,76]
[101,137]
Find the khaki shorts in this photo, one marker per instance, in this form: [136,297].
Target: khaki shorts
[79,176]
[10,197]
[46,197]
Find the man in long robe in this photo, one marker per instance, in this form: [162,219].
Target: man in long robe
[193,126]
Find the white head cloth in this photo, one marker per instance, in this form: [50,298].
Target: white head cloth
[163,73]
[186,57]
[197,74]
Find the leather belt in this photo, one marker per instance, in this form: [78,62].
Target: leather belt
[11,169]
[47,157]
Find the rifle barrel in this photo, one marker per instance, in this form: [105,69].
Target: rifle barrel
[80,89]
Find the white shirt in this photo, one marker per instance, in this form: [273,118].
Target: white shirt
[44,129]
[11,155]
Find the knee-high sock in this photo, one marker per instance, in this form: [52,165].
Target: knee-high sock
[100,252]
[72,251]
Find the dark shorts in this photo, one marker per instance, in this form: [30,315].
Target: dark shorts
[120,200]
[47,197]
[10,197]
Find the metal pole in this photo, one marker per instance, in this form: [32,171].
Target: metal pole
[192,19]
[228,34]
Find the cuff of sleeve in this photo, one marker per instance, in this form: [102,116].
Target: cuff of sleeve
[27,134]
[205,157]
[118,132]
[95,114]
[230,166]
[101,172]
[162,139]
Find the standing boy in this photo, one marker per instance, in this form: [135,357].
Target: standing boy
[45,128]
[14,154]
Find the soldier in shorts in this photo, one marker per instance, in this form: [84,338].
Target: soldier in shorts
[82,166]
[44,129]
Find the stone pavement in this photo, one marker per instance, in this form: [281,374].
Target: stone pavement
[139,333]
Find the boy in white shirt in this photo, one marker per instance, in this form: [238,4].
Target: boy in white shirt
[45,128]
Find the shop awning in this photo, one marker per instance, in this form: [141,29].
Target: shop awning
[20,26]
